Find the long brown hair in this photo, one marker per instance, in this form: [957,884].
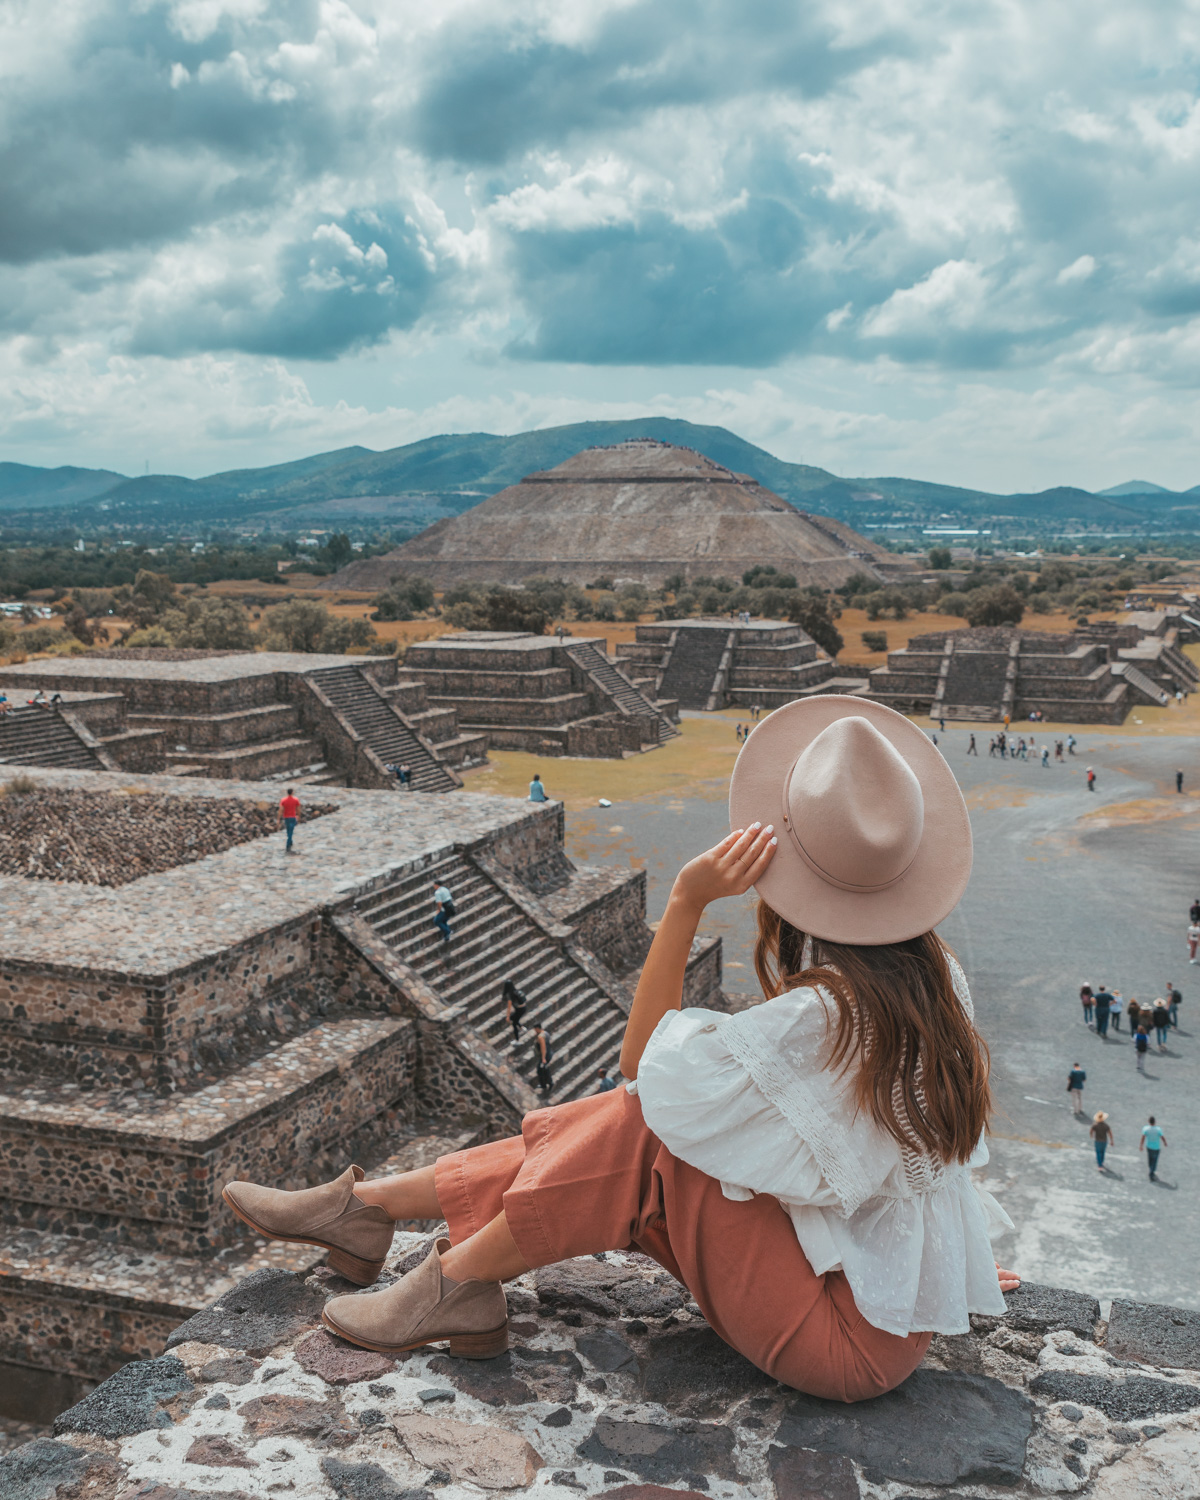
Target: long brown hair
[921,1068]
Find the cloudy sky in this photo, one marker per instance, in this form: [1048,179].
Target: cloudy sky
[954,239]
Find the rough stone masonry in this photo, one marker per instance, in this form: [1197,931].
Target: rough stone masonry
[615,1386]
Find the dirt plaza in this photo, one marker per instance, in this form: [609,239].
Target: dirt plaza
[1067,886]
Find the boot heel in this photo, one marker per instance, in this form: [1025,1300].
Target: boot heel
[353,1268]
[480,1345]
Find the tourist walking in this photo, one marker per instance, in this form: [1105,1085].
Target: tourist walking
[1193,938]
[971,749]
[605,1082]
[1076,1079]
[537,792]
[1105,1005]
[289,815]
[1058,749]
[1152,1142]
[515,1001]
[1133,1013]
[1089,1002]
[544,1056]
[1091,779]
[738,732]
[1141,1044]
[1071,743]
[1046,757]
[1102,1137]
[1179,781]
[445,910]
[991,746]
[404,776]
[1162,1024]
[1174,1001]
[1194,910]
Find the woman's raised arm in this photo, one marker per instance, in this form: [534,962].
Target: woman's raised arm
[728,869]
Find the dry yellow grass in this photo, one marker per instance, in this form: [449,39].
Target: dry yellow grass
[697,764]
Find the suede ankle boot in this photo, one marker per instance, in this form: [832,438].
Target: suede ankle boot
[357,1235]
[425,1307]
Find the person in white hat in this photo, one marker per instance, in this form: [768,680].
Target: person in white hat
[802,1167]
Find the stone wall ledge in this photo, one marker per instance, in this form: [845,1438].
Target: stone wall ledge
[614,1385]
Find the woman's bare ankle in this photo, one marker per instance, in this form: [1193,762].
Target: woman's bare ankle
[408,1195]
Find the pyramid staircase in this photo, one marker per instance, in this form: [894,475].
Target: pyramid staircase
[383,728]
[628,699]
[42,737]
[495,939]
[692,668]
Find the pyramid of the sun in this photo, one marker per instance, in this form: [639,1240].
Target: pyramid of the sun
[639,510]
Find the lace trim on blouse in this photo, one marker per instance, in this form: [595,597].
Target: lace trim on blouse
[779,1084]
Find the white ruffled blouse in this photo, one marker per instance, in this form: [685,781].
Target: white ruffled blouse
[746,1100]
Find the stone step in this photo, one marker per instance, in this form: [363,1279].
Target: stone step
[382,727]
[141,1169]
[81,1308]
[488,713]
[246,726]
[495,939]
[251,762]
[42,737]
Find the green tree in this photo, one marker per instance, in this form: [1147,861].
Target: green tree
[338,550]
[940,558]
[814,615]
[999,604]
[305,625]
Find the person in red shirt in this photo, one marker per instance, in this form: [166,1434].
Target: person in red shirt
[289,811]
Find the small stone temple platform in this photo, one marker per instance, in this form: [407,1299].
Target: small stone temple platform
[1092,676]
[257,1014]
[713,663]
[615,1386]
[252,716]
[538,693]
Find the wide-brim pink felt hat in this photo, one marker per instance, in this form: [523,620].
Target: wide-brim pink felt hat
[874,837]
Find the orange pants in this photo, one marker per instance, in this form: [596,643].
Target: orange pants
[589,1176]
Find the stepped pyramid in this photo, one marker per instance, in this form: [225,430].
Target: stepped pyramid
[639,510]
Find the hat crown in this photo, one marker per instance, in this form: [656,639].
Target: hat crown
[854,807]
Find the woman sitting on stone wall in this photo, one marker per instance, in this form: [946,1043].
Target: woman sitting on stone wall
[803,1168]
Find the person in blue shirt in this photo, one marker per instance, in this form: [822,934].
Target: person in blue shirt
[1152,1142]
[537,792]
[604,1083]
[1076,1078]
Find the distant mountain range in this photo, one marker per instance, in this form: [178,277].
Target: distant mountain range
[416,484]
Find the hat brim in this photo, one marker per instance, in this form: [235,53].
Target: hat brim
[929,889]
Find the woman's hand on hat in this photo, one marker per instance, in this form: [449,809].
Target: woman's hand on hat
[730,868]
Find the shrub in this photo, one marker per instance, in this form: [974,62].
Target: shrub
[17,786]
[998,605]
[149,635]
[858,583]
[763,576]
[605,608]
[875,640]
[954,603]
[940,558]
[403,599]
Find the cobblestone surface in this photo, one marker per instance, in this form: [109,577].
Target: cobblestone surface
[592,1401]
[113,837]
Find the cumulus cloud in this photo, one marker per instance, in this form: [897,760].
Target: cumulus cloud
[628,185]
